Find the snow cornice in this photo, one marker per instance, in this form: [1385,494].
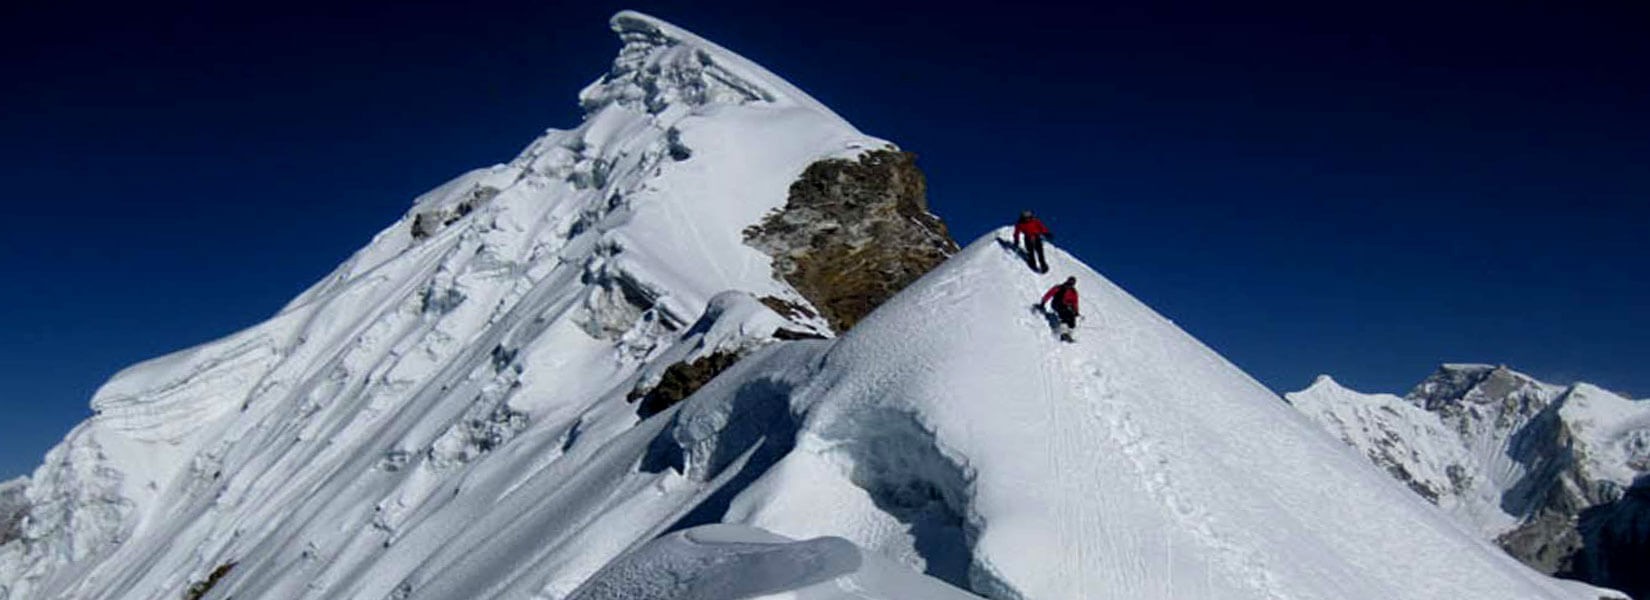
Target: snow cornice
[636,27]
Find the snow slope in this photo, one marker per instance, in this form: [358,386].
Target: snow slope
[1134,463]
[715,562]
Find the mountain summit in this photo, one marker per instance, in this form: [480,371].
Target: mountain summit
[474,358]
[672,353]
[1554,474]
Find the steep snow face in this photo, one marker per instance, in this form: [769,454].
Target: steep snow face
[1412,444]
[951,430]
[1517,459]
[444,390]
[716,562]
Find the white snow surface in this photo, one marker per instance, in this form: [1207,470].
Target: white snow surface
[1464,453]
[716,562]
[446,415]
[1413,444]
[1133,463]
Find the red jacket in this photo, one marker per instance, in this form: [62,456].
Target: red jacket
[1032,228]
[1069,298]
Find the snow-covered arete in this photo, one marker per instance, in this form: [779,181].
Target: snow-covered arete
[1135,463]
[446,416]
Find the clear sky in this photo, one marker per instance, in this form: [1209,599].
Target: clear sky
[1364,190]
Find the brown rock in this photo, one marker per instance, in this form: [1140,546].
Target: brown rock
[853,233]
[682,380]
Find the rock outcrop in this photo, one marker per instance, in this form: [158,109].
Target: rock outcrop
[1615,541]
[13,507]
[852,233]
[680,381]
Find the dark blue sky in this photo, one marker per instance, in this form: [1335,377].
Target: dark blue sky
[1360,190]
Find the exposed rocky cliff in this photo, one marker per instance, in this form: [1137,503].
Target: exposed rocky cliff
[1494,407]
[851,235]
[1615,542]
[854,232]
[13,507]
[1529,464]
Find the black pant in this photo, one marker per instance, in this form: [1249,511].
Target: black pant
[1066,315]
[1034,254]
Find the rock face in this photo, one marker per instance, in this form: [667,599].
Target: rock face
[1494,407]
[852,233]
[1615,539]
[13,507]
[682,380]
[1528,464]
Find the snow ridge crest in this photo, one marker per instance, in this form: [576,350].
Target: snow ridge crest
[663,66]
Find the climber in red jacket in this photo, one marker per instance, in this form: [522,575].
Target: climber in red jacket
[1034,232]
[1064,305]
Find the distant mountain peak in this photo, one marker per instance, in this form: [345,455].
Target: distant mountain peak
[1481,384]
[1523,461]
[1325,382]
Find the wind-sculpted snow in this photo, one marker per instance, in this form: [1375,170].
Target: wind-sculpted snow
[458,386]
[1135,463]
[692,565]
[717,562]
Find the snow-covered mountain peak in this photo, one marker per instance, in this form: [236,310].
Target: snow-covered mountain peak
[1402,438]
[1324,384]
[663,68]
[1522,461]
[513,316]
[1484,385]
